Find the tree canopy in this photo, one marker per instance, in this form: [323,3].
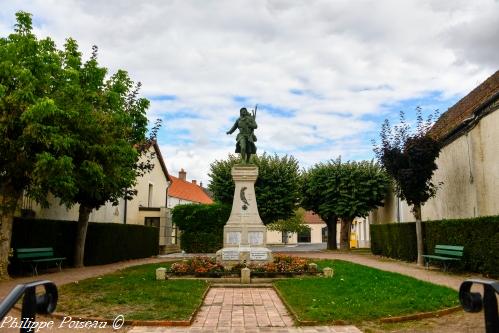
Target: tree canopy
[69,128]
[277,188]
[345,190]
[29,70]
[409,158]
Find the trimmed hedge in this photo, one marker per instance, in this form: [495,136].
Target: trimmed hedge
[201,226]
[394,240]
[479,236]
[105,242]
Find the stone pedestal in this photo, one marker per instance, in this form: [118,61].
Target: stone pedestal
[161,273]
[245,236]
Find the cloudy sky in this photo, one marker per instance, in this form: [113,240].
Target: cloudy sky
[324,74]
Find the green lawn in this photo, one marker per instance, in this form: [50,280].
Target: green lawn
[133,292]
[357,293]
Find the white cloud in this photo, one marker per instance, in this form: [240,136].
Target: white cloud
[349,59]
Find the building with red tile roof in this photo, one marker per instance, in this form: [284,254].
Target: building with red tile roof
[182,191]
[466,112]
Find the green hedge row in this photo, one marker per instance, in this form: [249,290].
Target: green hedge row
[105,242]
[201,226]
[479,236]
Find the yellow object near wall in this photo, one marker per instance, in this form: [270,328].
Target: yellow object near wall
[353,240]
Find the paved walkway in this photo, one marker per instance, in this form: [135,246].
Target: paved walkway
[242,307]
[244,310]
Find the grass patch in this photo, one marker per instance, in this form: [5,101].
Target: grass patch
[358,293]
[133,292]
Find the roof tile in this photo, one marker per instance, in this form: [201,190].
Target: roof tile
[312,218]
[465,108]
[188,191]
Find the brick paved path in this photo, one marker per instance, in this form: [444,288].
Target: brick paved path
[243,310]
[242,307]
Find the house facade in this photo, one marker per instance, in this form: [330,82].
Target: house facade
[468,165]
[318,233]
[148,207]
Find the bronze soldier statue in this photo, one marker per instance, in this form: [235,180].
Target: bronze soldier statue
[246,123]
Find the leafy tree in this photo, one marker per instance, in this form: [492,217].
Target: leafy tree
[318,197]
[29,70]
[409,158]
[293,224]
[103,126]
[344,190]
[277,188]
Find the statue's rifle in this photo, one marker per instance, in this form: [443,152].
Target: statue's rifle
[254,111]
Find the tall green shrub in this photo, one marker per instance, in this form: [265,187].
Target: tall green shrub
[479,236]
[201,226]
[106,242]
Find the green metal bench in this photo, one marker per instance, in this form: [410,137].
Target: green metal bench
[38,255]
[446,254]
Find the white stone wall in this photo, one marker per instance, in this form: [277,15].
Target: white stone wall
[316,233]
[173,201]
[275,237]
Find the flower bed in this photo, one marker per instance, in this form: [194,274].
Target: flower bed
[208,267]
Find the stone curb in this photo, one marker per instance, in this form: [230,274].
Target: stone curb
[421,315]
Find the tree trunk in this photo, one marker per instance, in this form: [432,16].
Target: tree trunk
[419,233]
[346,227]
[331,233]
[81,235]
[9,198]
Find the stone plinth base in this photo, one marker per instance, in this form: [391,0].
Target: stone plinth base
[245,236]
[231,256]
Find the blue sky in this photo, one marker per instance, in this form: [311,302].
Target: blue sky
[325,74]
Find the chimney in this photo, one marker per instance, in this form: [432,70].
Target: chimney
[201,184]
[182,174]
[194,182]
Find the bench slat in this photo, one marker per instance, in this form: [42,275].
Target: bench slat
[34,249]
[449,247]
[451,253]
[35,255]
[48,259]
[440,258]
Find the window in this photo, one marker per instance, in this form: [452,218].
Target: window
[151,222]
[324,235]
[304,237]
[149,196]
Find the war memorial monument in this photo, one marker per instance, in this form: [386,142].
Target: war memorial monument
[245,235]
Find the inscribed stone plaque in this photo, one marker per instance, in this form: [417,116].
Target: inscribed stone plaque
[255,237]
[230,255]
[234,237]
[259,255]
